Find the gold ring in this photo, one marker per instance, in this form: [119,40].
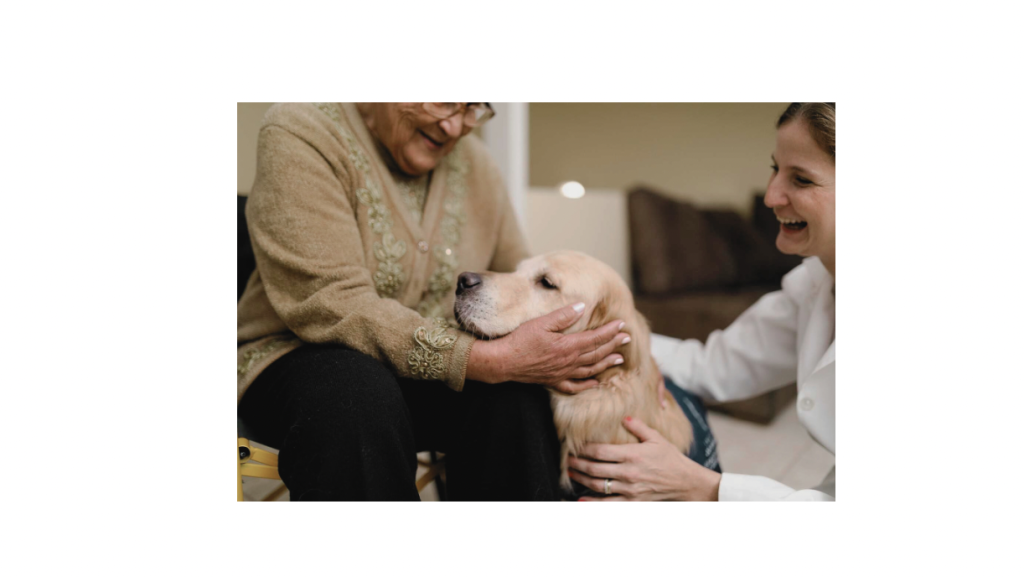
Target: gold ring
[607,486]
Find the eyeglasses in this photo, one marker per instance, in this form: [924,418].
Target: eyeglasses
[476,113]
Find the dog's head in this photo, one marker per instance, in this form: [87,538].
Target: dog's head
[491,305]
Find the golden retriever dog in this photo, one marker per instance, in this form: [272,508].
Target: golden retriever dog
[497,303]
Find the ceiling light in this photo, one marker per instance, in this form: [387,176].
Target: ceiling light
[573,189]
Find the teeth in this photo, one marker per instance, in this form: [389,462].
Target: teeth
[788,220]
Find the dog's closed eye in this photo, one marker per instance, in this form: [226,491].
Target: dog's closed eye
[545,282]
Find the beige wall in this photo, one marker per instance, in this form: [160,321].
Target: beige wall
[596,224]
[712,154]
[250,116]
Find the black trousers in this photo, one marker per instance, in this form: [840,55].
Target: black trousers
[348,429]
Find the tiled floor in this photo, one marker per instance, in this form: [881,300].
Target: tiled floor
[781,450]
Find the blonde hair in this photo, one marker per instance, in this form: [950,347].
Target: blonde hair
[821,119]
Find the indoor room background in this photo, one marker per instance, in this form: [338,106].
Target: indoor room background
[713,156]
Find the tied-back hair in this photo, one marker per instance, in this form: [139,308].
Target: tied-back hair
[820,117]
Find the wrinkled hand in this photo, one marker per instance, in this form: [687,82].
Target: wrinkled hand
[537,352]
[653,470]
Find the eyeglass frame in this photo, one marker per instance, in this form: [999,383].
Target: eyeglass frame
[463,108]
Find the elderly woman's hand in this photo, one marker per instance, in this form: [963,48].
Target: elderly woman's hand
[653,470]
[537,352]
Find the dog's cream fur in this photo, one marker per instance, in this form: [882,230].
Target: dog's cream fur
[502,302]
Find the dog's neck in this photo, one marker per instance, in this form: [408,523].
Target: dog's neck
[636,359]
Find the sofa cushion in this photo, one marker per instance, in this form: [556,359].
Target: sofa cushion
[673,246]
[767,228]
[757,260]
[695,314]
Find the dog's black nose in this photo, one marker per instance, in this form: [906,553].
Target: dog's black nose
[467,281]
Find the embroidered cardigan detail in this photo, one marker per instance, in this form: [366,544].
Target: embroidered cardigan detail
[344,257]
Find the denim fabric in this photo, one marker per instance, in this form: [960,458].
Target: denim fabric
[704,449]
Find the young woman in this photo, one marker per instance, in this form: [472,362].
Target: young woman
[787,336]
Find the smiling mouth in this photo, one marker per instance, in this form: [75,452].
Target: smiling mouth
[792,223]
[430,141]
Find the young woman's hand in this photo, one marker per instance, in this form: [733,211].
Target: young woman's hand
[653,470]
[537,352]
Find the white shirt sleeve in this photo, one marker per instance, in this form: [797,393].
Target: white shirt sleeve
[755,488]
[753,355]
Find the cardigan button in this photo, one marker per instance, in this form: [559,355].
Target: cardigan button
[423,246]
[806,403]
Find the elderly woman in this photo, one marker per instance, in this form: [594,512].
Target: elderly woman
[361,217]
[786,336]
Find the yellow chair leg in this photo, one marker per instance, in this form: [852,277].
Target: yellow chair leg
[238,462]
[261,471]
[255,462]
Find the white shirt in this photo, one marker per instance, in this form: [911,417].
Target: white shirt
[786,336]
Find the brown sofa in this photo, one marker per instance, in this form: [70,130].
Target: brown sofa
[696,269]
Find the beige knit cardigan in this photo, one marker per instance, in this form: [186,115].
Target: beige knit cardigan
[341,259]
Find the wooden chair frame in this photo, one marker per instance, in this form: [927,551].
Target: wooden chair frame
[255,462]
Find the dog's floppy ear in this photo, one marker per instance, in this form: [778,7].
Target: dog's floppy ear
[599,315]
[617,304]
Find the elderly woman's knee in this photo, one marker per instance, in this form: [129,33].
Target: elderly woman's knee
[513,400]
[349,384]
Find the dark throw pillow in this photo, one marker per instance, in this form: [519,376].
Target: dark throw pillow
[673,246]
